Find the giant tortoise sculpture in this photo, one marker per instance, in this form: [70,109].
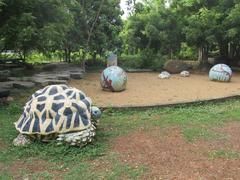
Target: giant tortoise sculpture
[58,112]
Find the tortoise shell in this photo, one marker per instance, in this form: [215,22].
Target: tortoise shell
[55,109]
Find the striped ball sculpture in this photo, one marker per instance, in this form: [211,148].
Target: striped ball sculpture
[220,72]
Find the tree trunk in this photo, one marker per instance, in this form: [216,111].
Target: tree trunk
[91,31]
[223,48]
[203,55]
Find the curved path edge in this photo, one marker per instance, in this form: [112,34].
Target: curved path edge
[173,104]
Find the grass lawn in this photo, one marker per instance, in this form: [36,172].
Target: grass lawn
[100,160]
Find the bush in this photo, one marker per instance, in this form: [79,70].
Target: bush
[187,52]
[146,59]
[130,61]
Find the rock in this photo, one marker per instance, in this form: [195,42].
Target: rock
[6,85]
[63,76]
[164,75]
[20,78]
[185,74]
[4,75]
[23,84]
[52,82]
[6,100]
[40,81]
[76,75]
[112,60]
[44,82]
[175,66]
[4,93]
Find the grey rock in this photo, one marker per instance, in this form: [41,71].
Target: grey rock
[76,75]
[4,75]
[23,84]
[63,76]
[4,93]
[6,85]
[175,66]
[52,82]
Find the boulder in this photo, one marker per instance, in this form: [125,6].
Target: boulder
[185,74]
[164,75]
[175,66]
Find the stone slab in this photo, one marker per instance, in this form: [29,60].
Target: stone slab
[23,84]
[6,85]
[76,75]
[4,93]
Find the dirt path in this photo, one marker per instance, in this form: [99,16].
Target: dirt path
[167,155]
[148,89]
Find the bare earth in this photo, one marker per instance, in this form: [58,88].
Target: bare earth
[147,89]
[167,155]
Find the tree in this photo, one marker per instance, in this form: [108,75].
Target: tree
[30,25]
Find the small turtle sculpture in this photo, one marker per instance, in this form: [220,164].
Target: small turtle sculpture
[220,72]
[58,112]
[164,75]
[185,74]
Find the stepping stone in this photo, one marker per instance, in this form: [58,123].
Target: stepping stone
[4,75]
[46,76]
[40,82]
[4,93]
[6,85]
[76,75]
[46,82]
[63,76]
[23,84]
[20,78]
[52,82]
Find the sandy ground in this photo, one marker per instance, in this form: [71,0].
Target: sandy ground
[148,89]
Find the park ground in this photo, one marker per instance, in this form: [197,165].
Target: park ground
[187,142]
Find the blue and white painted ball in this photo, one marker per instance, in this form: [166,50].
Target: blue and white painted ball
[113,79]
[220,72]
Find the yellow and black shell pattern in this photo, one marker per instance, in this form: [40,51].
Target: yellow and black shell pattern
[55,109]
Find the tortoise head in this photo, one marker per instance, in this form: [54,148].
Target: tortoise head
[95,112]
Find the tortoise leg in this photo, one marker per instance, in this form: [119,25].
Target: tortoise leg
[21,140]
[79,139]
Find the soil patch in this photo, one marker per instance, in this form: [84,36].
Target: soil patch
[147,89]
[32,167]
[167,155]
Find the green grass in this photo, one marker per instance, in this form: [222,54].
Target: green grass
[229,154]
[196,122]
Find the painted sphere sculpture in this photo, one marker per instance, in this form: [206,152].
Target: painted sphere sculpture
[220,72]
[58,112]
[113,79]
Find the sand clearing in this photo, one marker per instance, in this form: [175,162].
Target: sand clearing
[147,89]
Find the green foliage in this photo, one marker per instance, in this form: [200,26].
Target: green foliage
[130,61]
[187,52]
